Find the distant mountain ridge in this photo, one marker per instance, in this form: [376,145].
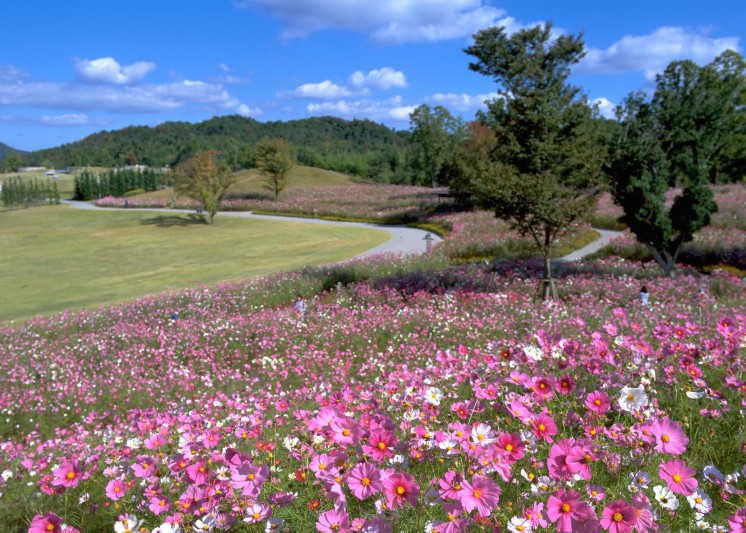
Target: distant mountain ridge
[359,147]
[6,150]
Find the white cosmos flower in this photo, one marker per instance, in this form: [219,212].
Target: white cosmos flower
[700,501]
[433,395]
[666,497]
[695,394]
[633,398]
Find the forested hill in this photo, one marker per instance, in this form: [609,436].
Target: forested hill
[358,147]
[6,150]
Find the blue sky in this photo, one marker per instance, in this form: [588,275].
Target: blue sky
[69,68]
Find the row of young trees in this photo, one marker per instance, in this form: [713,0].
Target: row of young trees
[18,192]
[538,160]
[117,182]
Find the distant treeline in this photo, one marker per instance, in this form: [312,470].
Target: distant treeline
[357,147]
[117,182]
[18,192]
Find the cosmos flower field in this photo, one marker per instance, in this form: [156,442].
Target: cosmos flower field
[413,399]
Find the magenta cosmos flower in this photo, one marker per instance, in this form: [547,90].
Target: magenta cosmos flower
[364,480]
[380,444]
[669,436]
[333,522]
[115,489]
[598,402]
[400,488]
[678,476]
[570,514]
[619,517]
[544,426]
[48,523]
[68,474]
[481,494]
[737,522]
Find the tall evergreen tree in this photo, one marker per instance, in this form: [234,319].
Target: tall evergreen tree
[675,140]
[544,168]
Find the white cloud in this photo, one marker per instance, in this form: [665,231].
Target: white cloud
[108,70]
[605,107]
[462,103]
[383,78]
[651,53]
[388,21]
[72,119]
[325,90]
[385,111]
[116,99]
[11,74]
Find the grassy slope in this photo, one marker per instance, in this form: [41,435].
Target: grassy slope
[57,258]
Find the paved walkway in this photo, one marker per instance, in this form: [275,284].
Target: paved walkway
[403,239]
[606,237]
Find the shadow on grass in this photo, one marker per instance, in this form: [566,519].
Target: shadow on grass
[170,221]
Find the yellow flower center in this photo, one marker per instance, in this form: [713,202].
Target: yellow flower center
[477,494]
[70,475]
[617,517]
[365,481]
[677,478]
[381,445]
[665,438]
[400,490]
[565,507]
[509,447]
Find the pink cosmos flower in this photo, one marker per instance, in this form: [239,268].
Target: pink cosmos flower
[645,519]
[345,431]
[544,426]
[453,524]
[598,402]
[380,444]
[249,478]
[68,474]
[197,473]
[145,467]
[535,514]
[257,512]
[543,388]
[400,488]
[364,480]
[333,522]
[159,504]
[669,436]
[511,445]
[115,489]
[211,439]
[678,476]
[48,523]
[570,514]
[737,522]
[557,460]
[481,494]
[619,517]
[449,485]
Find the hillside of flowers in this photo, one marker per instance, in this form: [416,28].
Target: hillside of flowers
[404,396]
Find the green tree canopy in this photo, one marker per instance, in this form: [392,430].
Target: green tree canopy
[669,149]
[435,135]
[544,166]
[274,159]
[204,180]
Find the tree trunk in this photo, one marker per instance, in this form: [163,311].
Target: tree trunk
[666,261]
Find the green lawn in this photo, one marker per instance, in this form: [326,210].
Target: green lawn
[57,258]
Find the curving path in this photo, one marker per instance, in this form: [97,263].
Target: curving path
[606,237]
[403,239]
